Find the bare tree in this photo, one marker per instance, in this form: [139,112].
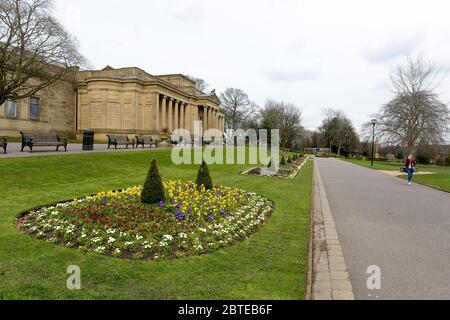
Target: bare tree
[200,84]
[338,131]
[35,50]
[415,114]
[287,118]
[237,106]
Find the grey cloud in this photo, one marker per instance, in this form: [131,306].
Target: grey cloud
[392,49]
[189,12]
[289,76]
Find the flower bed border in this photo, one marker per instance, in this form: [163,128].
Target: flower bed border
[241,233]
[292,176]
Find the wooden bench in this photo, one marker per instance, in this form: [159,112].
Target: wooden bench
[39,139]
[119,140]
[3,144]
[143,140]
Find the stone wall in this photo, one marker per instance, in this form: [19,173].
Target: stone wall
[57,112]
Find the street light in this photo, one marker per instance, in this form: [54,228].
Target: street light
[374,123]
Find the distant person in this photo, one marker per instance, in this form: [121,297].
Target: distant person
[410,166]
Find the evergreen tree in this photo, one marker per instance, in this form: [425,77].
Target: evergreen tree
[203,177]
[153,190]
[283,161]
[289,159]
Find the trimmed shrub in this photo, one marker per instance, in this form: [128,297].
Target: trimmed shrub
[203,177]
[282,161]
[270,164]
[153,190]
[289,159]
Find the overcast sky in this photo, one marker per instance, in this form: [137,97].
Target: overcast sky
[316,54]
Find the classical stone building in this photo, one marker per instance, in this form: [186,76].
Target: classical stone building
[122,101]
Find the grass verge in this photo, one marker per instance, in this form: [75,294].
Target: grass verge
[272,264]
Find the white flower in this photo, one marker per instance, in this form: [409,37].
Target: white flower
[168,238]
[111,240]
[100,250]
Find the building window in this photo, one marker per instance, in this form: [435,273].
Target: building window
[34,108]
[11,108]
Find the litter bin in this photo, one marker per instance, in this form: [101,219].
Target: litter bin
[88,140]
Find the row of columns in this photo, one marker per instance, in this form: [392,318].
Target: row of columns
[212,119]
[173,114]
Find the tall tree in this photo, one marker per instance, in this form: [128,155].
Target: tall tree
[415,114]
[337,131]
[35,50]
[287,118]
[237,106]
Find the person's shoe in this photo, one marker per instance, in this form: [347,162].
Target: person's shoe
[409,183]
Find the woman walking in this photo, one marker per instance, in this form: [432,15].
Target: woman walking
[410,166]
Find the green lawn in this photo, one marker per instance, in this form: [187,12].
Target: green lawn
[272,264]
[440,180]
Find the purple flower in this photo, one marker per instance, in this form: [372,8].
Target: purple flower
[222,213]
[162,204]
[104,201]
[211,217]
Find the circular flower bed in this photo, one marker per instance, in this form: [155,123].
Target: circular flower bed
[191,221]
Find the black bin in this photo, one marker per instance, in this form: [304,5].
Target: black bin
[88,140]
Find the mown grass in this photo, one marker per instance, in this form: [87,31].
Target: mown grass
[272,264]
[439,180]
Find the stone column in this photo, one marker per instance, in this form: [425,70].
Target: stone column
[170,125]
[182,115]
[157,125]
[217,120]
[164,113]
[188,117]
[205,118]
[177,123]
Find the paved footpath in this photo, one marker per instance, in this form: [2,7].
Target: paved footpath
[73,148]
[381,221]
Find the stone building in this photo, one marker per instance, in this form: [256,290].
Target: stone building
[121,101]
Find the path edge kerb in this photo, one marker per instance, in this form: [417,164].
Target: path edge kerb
[330,279]
[309,281]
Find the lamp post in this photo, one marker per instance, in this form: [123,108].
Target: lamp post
[374,123]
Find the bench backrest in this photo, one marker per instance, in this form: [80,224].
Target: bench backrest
[41,136]
[118,138]
[145,139]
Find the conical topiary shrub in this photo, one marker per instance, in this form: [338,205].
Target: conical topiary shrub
[283,161]
[289,159]
[153,190]
[203,177]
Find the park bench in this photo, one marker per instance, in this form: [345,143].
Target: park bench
[119,140]
[143,140]
[3,144]
[40,139]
